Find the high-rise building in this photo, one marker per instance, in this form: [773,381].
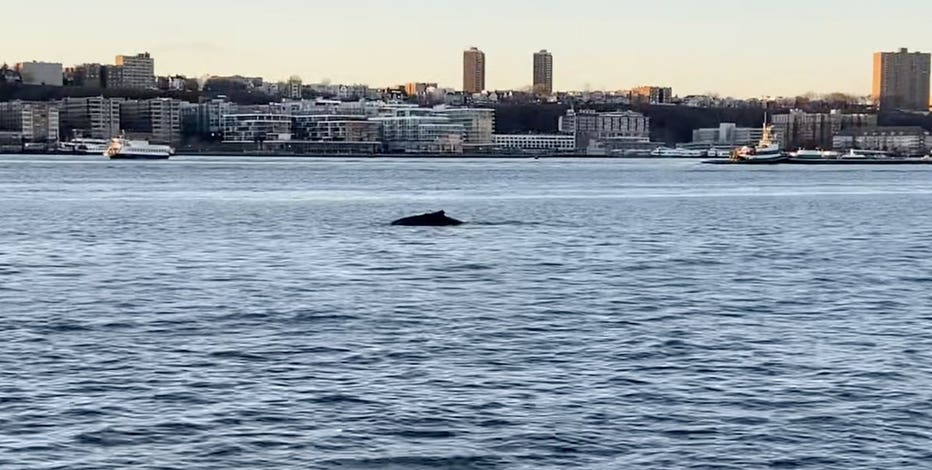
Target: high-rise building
[543,73]
[473,71]
[901,80]
[135,71]
[96,118]
[158,120]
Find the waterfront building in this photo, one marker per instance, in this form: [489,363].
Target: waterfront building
[41,73]
[416,130]
[588,126]
[256,128]
[652,95]
[799,129]
[473,71]
[136,71]
[206,118]
[901,80]
[478,125]
[335,128]
[899,140]
[535,143]
[543,73]
[157,120]
[95,118]
[33,122]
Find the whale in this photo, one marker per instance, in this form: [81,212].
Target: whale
[433,219]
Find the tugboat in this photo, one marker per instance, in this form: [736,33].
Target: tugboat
[766,152]
[123,149]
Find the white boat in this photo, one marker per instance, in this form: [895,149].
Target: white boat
[719,152]
[84,146]
[854,154]
[121,148]
[814,154]
[677,153]
[766,151]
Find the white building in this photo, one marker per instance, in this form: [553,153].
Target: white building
[728,134]
[412,133]
[35,122]
[478,124]
[41,73]
[254,128]
[900,140]
[535,143]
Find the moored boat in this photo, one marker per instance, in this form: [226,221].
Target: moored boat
[84,146]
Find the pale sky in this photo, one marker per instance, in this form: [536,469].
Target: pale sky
[740,48]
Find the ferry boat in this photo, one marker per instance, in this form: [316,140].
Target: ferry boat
[84,146]
[121,148]
[814,154]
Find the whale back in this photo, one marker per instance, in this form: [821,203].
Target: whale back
[433,219]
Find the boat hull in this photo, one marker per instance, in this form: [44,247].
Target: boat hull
[139,157]
[750,161]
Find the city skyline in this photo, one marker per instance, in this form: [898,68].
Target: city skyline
[694,48]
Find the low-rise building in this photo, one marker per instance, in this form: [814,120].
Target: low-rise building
[86,75]
[256,128]
[899,140]
[589,125]
[535,143]
[652,95]
[335,128]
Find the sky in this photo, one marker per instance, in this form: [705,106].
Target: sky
[741,48]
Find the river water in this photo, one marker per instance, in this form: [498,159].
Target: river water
[220,313]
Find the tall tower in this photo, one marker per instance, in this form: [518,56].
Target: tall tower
[543,73]
[473,71]
[901,80]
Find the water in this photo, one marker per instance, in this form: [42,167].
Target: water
[249,313]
